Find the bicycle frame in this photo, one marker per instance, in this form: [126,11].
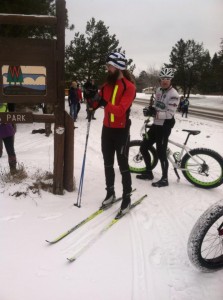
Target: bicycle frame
[176,162]
[170,154]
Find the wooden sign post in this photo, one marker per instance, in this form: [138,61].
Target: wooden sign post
[41,61]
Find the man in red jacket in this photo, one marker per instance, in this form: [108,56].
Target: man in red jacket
[117,95]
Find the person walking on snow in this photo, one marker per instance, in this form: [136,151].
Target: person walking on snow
[163,111]
[116,95]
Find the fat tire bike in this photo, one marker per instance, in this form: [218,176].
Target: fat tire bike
[202,167]
[205,243]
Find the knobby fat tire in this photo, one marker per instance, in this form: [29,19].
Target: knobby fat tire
[213,216]
[191,176]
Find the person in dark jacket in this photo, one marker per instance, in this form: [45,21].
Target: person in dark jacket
[90,91]
[7,133]
[117,95]
[185,106]
[73,100]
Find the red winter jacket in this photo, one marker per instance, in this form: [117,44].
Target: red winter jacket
[119,99]
[79,92]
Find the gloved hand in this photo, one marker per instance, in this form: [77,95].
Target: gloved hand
[149,111]
[146,111]
[103,102]
[93,102]
[96,102]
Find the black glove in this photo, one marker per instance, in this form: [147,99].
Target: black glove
[149,111]
[96,102]
[146,111]
[102,102]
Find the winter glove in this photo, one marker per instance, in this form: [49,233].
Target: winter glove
[93,102]
[103,102]
[149,111]
[146,111]
[96,102]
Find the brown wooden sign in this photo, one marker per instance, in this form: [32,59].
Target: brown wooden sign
[32,71]
[29,76]
[16,117]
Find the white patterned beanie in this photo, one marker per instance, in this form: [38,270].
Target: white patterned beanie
[116,59]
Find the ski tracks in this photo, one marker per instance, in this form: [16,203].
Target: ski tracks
[146,256]
[160,270]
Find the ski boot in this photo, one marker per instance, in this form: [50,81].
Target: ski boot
[125,206]
[147,175]
[109,199]
[161,183]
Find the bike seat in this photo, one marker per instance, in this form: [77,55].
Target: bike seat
[194,132]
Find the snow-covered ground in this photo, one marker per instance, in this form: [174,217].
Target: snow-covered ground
[142,257]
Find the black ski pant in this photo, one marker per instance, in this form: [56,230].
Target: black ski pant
[116,140]
[9,146]
[159,135]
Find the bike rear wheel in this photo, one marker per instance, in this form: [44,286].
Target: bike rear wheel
[136,161]
[203,168]
[205,243]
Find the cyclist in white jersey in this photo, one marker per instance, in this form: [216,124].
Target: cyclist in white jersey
[163,111]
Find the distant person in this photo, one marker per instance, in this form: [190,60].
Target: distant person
[185,106]
[7,132]
[73,100]
[163,111]
[80,98]
[90,91]
[180,104]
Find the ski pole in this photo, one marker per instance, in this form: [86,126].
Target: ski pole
[80,188]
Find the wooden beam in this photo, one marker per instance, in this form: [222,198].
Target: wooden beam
[59,107]
[16,19]
[69,154]
[46,118]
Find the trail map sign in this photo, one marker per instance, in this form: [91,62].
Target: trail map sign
[24,80]
[30,75]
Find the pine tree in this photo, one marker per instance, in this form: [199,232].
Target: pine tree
[190,61]
[86,54]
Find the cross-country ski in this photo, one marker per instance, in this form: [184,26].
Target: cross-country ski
[105,229]
[89,218]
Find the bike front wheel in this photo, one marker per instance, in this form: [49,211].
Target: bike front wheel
[203,168]
[136,161]
[205,243]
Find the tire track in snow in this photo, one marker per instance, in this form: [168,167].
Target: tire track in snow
[140,277]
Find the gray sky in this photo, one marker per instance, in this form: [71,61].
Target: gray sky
[148,29]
